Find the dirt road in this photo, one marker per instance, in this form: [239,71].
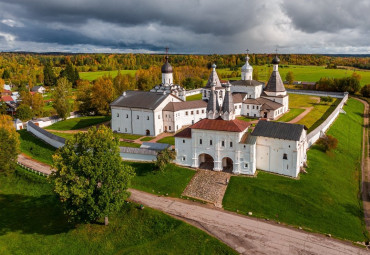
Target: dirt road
[246,235]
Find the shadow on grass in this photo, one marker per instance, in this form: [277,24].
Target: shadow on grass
[143,169]
[83,123]
[32,215]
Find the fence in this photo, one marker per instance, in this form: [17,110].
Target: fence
[317,93]
[35,171]
[315,134]
[193,92]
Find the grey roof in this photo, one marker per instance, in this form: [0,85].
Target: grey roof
[275,84]
[155,146]
[36,88]
[213,105]
[177,106]
[167,68]
[46,133]
[246,83]
[213,79]
[228,104]
[280,130]
[238,97]
[132,150]
[140,99]
[267,104]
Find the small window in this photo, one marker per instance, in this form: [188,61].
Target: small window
[126,116]
[285,156]
[231,144]
[223,143]
[186,113]
[183,141]
[183,158]
[202,111]
[253,107]
[147,117]
[117,114]
[200,141]
[126,130]
[246,165]
[137,117]
[247,106]
[192,112]
[210,142]
[289,146]
[169,127]
[240,106]
[257,107]
[254,115]
[245,146]
[197,111]
[159,117]
[119,129]
[235,107]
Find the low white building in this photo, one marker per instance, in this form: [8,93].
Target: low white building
[38,89]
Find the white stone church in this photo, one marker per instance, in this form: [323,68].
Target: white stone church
[165,109]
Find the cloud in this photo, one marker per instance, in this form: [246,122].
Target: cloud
[192,26]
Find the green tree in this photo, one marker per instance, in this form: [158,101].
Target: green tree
[6,74]
[9,144]
[84,97]
[61,96]
[24,112]
[365,90]
[328,143]
[289,77]
[165,157]
[71,73]
[91,179]
[49,75]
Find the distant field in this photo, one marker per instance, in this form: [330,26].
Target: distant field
[90,76]
[305,73]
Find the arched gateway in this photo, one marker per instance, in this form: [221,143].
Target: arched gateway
[206,161]
[227,164]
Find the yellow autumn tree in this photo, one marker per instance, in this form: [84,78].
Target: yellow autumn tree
[102,94]
[9,144]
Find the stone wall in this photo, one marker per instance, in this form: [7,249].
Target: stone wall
[53,140]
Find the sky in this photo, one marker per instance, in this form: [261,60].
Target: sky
[186,26]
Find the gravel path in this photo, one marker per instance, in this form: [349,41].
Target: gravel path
[246,235]
[301,116]
[34,164]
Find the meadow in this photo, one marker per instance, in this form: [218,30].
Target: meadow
[78,123]
[324,200]
[32,222]
[90,76]
[303,73]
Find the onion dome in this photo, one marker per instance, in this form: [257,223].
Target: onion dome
[247,66]
[167,68]
[275,61]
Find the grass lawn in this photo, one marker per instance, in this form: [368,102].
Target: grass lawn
[128,136]
[293,112]
[194,97]
[36,148]
[246,118]
[78,123]
[32,222]
[128,144]
[90,76]
[171,181]
[168,140]
[64,135]
[323,200]
[319,113]
[148,138]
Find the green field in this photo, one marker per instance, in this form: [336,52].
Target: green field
[246,118]
[326,199]
[194,97]
[127,136]
[304,73]
[147,138]
[172,180]
[36,148]
[128,144]
[169,140]
[78,123]
[293,113]
[32,222]
[90,76]
[64,135]
[319,113]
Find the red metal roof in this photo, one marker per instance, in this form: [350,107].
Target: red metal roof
[186,133]
[7,99]
[221,125]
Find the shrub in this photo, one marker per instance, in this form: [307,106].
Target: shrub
[365,90]
[164,158]
[327,99]
[328,143]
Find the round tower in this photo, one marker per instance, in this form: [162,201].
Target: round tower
[167,73]
[247,70]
